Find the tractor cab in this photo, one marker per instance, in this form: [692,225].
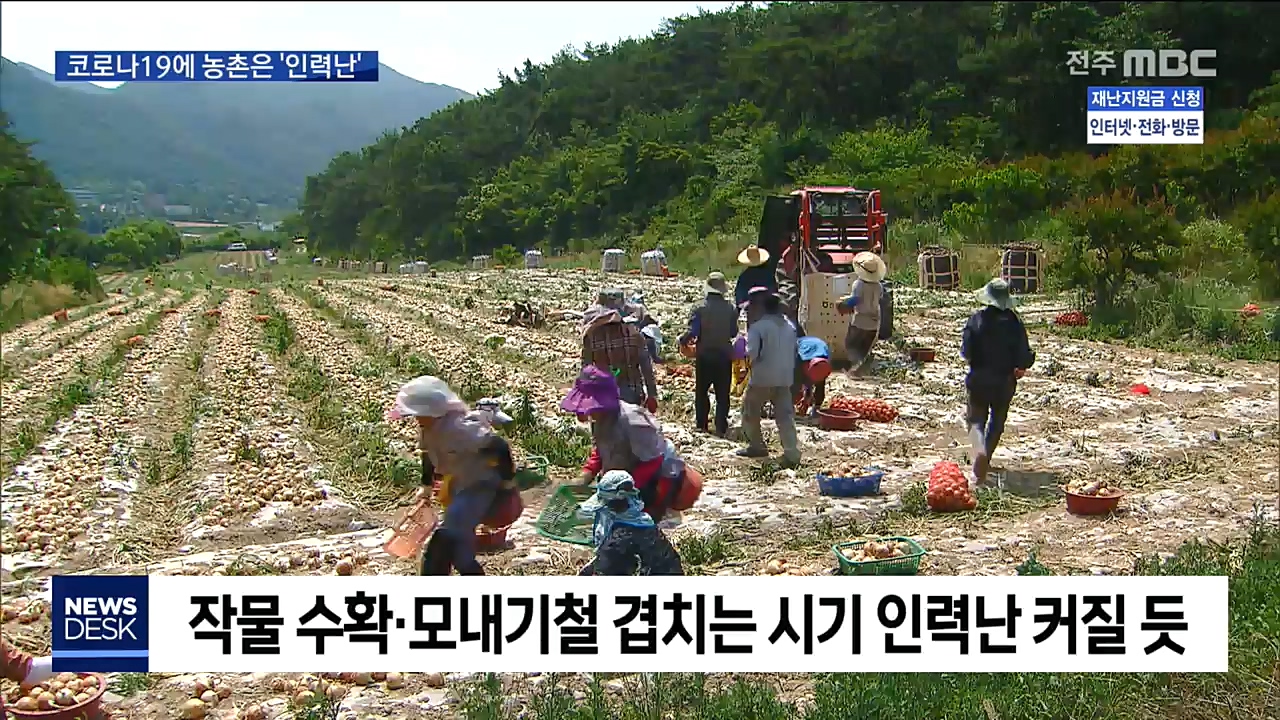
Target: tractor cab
[812,236]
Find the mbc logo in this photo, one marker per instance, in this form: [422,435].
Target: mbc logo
[1168,63]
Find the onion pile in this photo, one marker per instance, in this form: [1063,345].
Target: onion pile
[1093,488]
[876,550]
[780,566]
[47,334]
[847,470]
[444,347]
[48,521]
[24,610]
[64,691]
[28,392]
[266,468]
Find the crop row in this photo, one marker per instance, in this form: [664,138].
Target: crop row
[72,492]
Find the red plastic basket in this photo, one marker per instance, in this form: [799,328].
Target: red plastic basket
[491,539]
[1092,504]
[90,709]
[833,419]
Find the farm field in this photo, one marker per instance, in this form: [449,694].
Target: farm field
[238,430]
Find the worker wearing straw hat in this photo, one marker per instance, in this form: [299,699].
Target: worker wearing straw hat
[995,344]
[863,307]
[713,326]
[756,273]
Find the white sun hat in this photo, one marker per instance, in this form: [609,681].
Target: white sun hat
[425,396]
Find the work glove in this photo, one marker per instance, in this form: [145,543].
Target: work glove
[651,404]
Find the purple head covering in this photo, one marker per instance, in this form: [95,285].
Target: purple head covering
[740,347]
[595,390]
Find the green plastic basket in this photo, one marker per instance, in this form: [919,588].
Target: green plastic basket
[559,519]
[907,565]
[533,473]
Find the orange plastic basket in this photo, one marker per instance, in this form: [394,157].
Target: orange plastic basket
[412,526]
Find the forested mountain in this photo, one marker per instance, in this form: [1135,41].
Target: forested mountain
[200,142]
[947,107]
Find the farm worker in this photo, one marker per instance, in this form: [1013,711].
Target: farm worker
[995,345]
[771,350]
[627,540]
[756,273]
[24,669]
[713,326]
[624,437]
[639,315]
[813,366]
[459,444]
[620,347]
[863,306]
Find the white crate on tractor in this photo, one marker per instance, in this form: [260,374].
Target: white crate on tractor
[532,259]
[818,314]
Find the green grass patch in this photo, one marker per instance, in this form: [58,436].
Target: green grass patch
[1247,692]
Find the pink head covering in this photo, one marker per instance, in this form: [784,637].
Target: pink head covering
[595,390]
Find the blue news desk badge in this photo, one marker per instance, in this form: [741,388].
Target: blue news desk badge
[100,623]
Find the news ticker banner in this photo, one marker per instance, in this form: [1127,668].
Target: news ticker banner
[639,624]
[1146,116]
[215,66]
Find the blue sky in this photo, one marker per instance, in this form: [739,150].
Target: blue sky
[463,44]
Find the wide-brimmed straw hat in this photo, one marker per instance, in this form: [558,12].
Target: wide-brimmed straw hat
[595,390]
[425,396]
[753,256]
[869,267]
[996,294]
[717,284]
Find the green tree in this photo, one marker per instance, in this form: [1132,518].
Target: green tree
[34,208]
[1114,240]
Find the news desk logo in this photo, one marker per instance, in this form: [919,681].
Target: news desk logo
[100,624]
[1145,63]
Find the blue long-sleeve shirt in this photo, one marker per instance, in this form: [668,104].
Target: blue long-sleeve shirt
[995,344]
[759,276]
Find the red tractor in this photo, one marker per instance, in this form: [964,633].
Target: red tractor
[826,227]
[831,223]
